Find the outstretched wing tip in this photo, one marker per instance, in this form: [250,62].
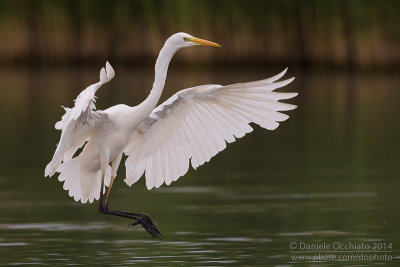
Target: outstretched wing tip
[291,107]
[110,70]
[106,73]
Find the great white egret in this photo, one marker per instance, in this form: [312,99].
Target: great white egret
[191,126]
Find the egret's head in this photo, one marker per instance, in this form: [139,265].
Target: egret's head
[182,39]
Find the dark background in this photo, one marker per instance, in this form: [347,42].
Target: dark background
[347,33]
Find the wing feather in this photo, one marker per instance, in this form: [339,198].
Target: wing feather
[77,123]
[213,126]
[196,123]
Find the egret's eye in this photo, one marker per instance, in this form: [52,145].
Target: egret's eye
[186,39]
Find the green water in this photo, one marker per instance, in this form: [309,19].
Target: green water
[328,174]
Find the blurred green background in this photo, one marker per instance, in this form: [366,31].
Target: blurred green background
[352,33]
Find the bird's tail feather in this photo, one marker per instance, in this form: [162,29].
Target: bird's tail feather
[81,184]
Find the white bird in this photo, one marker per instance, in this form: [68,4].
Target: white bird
[190,127]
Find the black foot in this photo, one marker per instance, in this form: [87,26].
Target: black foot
[148,225]
[139,218]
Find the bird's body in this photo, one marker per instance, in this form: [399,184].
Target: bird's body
[190,127]
[106,144]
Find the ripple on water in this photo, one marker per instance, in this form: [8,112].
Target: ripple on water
[335,195]
[320,195]
[14,244]
[218,261]
[134,241]
[190,190]
[310,233]
[201,251]
[54,226]
[232,239]
[184,233]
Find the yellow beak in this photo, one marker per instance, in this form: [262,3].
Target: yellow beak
[203,42]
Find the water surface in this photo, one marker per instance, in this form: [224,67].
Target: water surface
[328,174]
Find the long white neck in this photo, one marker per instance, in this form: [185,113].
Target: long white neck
[161,68]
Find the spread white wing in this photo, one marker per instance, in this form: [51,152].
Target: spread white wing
[78,122]
[196,123]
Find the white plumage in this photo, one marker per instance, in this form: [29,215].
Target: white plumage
[189,128]
[78,125]
[195,124]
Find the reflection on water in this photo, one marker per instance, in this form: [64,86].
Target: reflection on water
[330,173]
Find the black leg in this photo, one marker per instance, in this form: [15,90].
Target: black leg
[139,218]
